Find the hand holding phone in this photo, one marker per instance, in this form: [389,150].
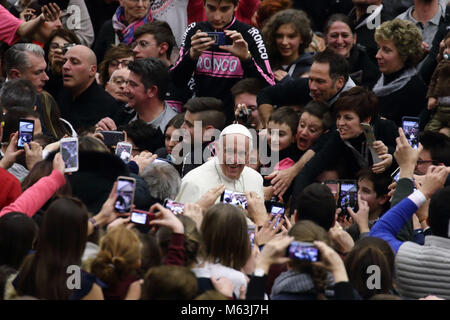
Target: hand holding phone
[410,126]
[348,197]
[141,217]
[124,194]
[26,131]
[303,251]
[235,198]
[69,153]
[219,38]
[165,218]
[277,212]
[370,139]
[176,207]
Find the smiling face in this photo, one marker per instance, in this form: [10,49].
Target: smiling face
[309,130]
[287,41]
[340,38]
[234,155]
[389,60]
[135,91]
[348,124]
[219,13]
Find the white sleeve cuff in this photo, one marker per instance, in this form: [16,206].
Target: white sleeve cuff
[418,198]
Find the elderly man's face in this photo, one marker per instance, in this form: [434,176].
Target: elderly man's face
[36,72]
[234,155]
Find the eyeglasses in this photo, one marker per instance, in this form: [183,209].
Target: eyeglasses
[119,81]
[64,47]
[142,43]
[116,63]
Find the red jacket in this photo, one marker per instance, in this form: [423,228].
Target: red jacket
[10,188]
[37,195]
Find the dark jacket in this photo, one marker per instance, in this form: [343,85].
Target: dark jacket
[300,66]
[362,69]
[407,101]
[335,149]
[365,36]
[88,108]
[105,39]
[95,177]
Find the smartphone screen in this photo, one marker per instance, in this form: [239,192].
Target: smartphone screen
[235,198]
[138,217]
[123,151]
[303,251]
[176,207]
[278,212]
[348,197]
[125,194]
[26,129]
[69,153]
[251,235]
[411,129]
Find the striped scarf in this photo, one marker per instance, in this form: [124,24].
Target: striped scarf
[124,30]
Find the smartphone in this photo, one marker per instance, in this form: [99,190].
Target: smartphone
[123,151]
[141,217]
[410,126]
[220,39]
[176,207]
[235,198]
[333,185]
[303,251]
[251,235]
[111,138]
[277,210]
[396,174]
[368,132]
[69,153]
[124,194]
[348,197]
[26,129]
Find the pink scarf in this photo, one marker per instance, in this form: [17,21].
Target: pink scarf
[124,31]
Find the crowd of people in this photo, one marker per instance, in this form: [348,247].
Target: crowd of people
[224,149]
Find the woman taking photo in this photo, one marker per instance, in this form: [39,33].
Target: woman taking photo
[340,38]
[287,34]
[348,143]
[400,89]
